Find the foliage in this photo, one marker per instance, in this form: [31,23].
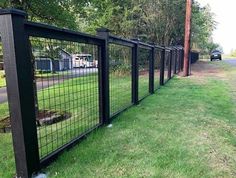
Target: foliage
[159,21]
[56,12]
[233,53]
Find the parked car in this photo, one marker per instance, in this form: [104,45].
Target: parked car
[216,54]
[84,60]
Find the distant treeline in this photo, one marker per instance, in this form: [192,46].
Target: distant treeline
[159,21]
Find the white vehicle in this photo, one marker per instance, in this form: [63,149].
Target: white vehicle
[83,60]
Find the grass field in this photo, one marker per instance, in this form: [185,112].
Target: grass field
[186,129]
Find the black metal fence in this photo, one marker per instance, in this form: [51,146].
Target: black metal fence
[63,84]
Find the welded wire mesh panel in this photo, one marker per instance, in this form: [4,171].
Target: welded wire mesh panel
[166,65]
[157,67]
[143,66]
[66,91]
[120,77]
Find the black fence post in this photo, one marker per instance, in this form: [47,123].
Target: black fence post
[182,59]
[135,73]
[170,63]
[179,60]
[19,77]
[104,94]
[151,71]
[162,69]
[175,61]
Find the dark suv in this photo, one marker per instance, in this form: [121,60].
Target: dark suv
[216,54]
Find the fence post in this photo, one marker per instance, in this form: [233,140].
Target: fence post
[162,69]
[175,62]
[179,60]
[104,91]
[151,71]
[170,63]
[19,77]
[182,59]
[135,72]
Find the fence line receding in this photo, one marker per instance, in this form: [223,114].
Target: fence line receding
[63,84]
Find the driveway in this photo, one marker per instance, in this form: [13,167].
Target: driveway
[45,83]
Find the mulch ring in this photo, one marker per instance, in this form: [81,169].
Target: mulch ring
[44,117]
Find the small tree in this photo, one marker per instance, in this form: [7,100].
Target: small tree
[233,53]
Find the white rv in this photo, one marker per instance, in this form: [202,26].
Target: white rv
[83,60]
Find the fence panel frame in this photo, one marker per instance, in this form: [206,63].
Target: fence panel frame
[130,44]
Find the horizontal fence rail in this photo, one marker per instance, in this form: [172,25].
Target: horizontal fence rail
[64,84]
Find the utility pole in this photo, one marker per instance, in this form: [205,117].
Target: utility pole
[187,37]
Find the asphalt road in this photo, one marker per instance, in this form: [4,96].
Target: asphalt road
[230,61]
[45,83]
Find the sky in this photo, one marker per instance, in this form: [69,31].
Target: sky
[225,15]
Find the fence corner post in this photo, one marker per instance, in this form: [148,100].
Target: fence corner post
[19,77]
[104,90]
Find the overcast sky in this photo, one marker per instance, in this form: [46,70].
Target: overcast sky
[225,15]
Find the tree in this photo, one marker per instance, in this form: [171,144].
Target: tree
[158,21]
[56,12]
[233,53]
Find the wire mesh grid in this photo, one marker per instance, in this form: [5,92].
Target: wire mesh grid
[66,91]
[166,66]
[143,67]
[157,67]
[120,58]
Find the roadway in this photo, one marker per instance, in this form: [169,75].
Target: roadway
[230,61]
[45,83]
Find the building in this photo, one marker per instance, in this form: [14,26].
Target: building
[62,63]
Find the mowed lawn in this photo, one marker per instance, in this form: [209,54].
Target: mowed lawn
[186,129]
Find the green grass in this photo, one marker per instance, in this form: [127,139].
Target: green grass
[62,97]
[48,74]
[2,79]
[229,57]
[186,129]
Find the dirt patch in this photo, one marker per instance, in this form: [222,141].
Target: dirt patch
[204,68]
[44,117]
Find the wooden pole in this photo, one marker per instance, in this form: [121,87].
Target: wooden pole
[187,37]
